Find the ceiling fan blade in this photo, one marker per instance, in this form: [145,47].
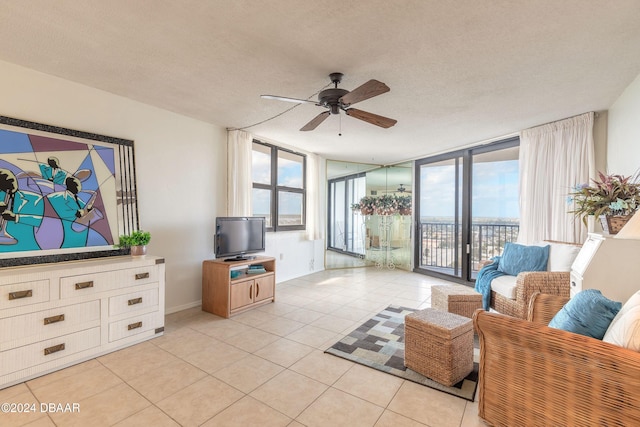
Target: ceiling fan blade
[316,121]
[374,119]
[368,90]
[284,98]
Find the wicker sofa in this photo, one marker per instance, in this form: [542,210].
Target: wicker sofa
[533,375]
[510,295]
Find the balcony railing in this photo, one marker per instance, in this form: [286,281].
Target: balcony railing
[440,248]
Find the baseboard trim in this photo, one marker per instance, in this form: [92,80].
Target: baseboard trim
[171,310]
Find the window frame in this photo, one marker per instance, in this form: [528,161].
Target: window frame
[277,189]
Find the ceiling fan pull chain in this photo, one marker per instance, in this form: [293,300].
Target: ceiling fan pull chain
[340,125]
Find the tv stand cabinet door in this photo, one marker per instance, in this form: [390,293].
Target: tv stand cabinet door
[265,287]
[242,294]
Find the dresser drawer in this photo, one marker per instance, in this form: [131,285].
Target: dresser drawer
[87,284]
[25,293]
[48,350]
[32,327]
[135,325]
[132,302]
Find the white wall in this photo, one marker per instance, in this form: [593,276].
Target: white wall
[180,165]
[623,149]
[295,255]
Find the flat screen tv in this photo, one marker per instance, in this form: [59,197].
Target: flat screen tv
[237,237]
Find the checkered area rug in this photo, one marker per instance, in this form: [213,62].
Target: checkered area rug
[379,344]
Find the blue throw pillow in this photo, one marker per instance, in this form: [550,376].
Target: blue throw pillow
[517,258]
[588,313]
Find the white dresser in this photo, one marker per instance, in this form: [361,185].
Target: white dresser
[56,315]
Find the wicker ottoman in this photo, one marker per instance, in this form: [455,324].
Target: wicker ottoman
[438,345]
[457,299]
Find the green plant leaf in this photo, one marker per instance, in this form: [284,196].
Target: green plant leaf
[135,238]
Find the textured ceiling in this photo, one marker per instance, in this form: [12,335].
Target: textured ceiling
[460,72]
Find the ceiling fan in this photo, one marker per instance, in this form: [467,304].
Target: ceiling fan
[401,190]
[336,99]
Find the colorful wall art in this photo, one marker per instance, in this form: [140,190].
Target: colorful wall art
[63,191]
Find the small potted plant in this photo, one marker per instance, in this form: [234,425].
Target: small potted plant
[611,198]
[137,241]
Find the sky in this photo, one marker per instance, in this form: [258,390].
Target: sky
[289,175]
[494,191]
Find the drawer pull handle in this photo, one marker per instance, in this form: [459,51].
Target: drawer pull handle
[53,319]
[20,294]
[142,276]
[84,285]
[134,301]
[54,349]
[257,289]
[134,326]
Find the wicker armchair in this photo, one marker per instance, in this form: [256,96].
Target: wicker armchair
[528,283]
[533,375]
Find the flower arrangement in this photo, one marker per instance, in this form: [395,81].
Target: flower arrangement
[404,205]
[384,205]
[608,195]
[365,205]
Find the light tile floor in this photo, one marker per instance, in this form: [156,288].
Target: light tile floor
[265,367]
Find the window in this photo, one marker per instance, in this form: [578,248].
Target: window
[279,190]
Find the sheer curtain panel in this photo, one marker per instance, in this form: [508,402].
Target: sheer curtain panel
[554,158]
[239,180]
[315,209]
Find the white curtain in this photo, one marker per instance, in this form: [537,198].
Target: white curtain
[554,158]
[315,195]
[239,180]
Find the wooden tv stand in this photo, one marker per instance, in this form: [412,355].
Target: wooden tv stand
[226,296]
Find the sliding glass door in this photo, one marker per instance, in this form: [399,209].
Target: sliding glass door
[467,209]
[439,216]
[346,227]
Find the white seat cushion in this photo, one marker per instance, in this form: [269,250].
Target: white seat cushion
[505,286]
[561,255]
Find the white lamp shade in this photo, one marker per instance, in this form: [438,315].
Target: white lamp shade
[631,230]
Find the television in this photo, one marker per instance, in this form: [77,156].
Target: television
[239,236]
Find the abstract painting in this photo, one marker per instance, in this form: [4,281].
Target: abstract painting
[63,191]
